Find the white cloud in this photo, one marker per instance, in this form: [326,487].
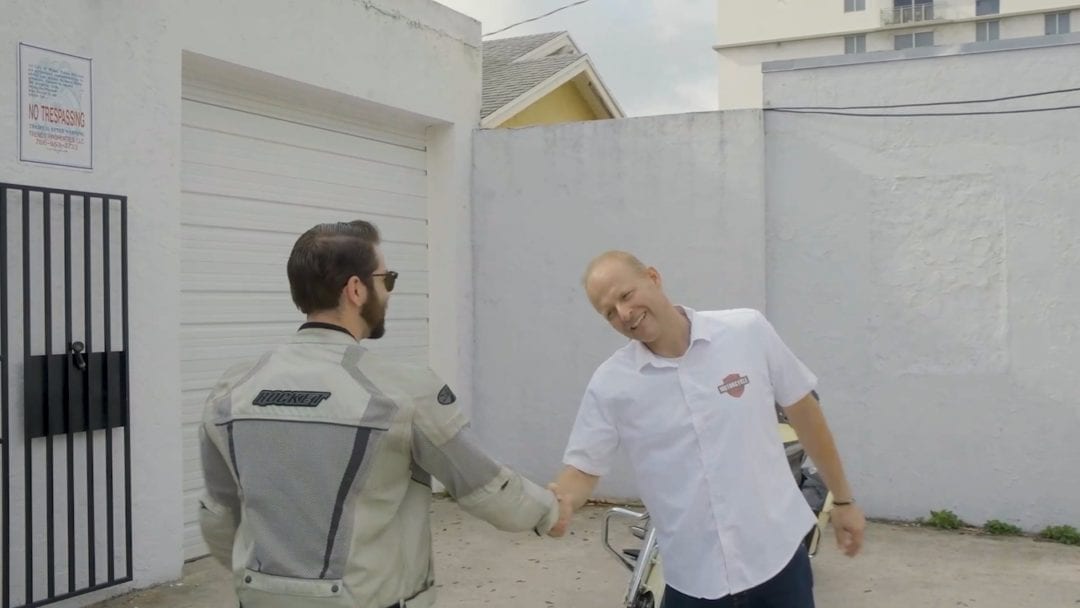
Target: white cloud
[673,18]
[689,96]
[699,95]
[493,14]
[655,56]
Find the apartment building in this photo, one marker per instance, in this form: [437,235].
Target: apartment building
[751,32]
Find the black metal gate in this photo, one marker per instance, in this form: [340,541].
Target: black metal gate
[66,439]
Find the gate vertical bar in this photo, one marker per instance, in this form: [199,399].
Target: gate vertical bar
[69,407]
[51,398]
[125,385]
[88,321]
[5,594]
[106,271]
[28,483]
[50,498]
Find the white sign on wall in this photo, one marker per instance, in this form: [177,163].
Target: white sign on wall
[55,108]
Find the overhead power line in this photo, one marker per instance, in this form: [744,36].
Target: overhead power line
[847,110]
[922,114]
[537,18]
[934,103]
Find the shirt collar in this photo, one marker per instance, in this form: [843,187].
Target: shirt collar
[698,333]
[318,332]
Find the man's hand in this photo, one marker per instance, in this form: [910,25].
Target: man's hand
[566,510]
[849,523]
[572,489]
[809,423]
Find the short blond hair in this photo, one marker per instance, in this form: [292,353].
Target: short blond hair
[624,257]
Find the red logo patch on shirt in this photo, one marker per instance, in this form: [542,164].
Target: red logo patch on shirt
[734,385]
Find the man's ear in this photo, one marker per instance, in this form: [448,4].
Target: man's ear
[654,275]
[354,292]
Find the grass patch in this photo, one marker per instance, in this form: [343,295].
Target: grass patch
[1000,528]
[944,520]
[1067,535]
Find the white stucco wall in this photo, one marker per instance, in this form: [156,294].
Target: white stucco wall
[683,192]
[927,270]
[136,66]
[740,77]
[413,55]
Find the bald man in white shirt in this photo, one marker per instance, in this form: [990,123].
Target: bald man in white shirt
[691,400]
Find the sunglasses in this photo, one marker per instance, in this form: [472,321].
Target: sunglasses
[389,280]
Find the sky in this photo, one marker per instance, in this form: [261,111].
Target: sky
[655,56]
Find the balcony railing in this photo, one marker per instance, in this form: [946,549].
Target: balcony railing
[909,14]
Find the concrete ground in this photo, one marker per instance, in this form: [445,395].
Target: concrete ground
[901,567]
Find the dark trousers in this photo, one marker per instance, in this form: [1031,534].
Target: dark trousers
[792,588]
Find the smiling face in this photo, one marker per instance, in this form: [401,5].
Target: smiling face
[629,295]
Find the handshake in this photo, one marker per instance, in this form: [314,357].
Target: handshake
[566,511]
[571,488]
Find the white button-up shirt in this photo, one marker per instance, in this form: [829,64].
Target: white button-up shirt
[701,435]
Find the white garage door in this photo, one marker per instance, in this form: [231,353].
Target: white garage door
[254,177]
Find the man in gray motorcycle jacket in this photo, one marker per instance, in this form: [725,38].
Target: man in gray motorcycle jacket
[318,457]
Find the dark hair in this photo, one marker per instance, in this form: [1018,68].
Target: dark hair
[324,259]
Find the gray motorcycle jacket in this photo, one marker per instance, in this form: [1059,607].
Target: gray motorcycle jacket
[318,461]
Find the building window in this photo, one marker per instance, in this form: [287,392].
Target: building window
[987,30]
[854,44]
[919,39]
[987,7]
[851,6]
[1057,23]
[906,11]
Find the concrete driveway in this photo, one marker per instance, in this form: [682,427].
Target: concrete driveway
[902,567]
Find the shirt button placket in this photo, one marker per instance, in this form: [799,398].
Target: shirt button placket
[689,393]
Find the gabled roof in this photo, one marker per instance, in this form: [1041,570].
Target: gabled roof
[505,50]
[519,70]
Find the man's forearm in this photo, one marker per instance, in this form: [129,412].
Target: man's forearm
[809,423]
[576,485]
[512,503]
